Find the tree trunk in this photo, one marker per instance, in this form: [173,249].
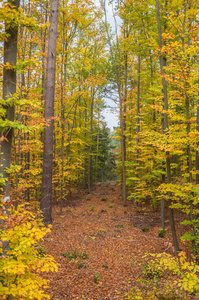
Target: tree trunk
[91,142]
[164,131]
[46,197]
[9,88]
[138,126]
[197,152]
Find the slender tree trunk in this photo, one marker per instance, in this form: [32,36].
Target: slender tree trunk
[63,80]
[164,130]
[91,142]
[97,157]
[138,126]
[197,153]
[46,198]
[85,135]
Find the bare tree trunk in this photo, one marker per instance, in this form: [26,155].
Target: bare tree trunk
[63,80]
[46,197]
[91,142]
[85,160]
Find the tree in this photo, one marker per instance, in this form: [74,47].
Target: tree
[163,63]
[9,89]
[46,197]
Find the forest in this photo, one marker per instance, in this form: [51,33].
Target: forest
[87,212]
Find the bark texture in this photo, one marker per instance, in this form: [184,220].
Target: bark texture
[9,88]
[46,198]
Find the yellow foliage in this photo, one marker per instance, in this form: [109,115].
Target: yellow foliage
[22,264]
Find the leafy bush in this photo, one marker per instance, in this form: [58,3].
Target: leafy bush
[184,275]
[152,269]
[161,232]
[22,264]
[187,271]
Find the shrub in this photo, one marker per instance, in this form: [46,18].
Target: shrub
[152,269]
[187,271]
[145,229]
[22,264]
[161,232]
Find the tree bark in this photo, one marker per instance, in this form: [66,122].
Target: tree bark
[137,127]
[46,197]
[9,88]
[91,142]
[163,62]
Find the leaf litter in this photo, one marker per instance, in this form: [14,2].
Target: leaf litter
[104,247]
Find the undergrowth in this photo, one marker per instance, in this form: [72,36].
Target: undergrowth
[166,277]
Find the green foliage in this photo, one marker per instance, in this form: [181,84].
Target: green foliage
[106,163]
[102,230]
[187,272]
[92,207]
[24,261]
[70,254]
[104,199]
[80,265]
[40,250]
[83,255]
[167,278]
[145,229]
[184,274]
[120,226]
[152,270]
[73,254]
[96,277]
[161,232]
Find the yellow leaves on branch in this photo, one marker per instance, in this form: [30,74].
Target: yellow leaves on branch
[22,263]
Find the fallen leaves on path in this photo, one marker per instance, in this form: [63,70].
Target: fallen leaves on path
[99,245]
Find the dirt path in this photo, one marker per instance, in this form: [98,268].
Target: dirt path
[99,245]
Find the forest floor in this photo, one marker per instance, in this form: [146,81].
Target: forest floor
[99,245]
